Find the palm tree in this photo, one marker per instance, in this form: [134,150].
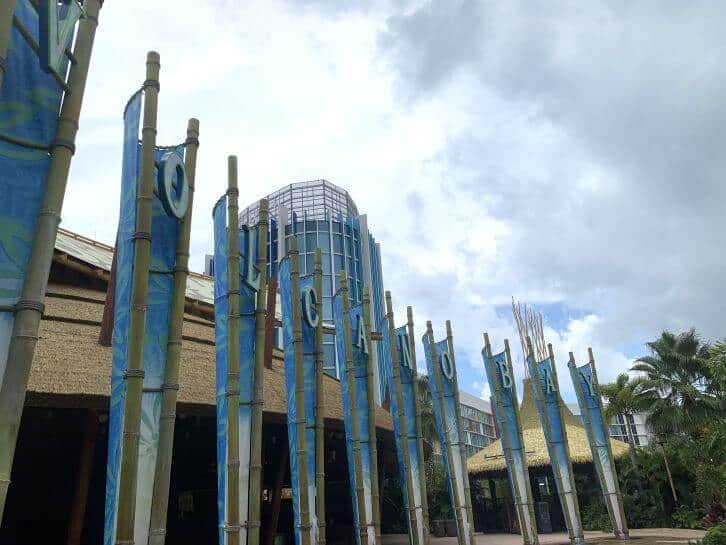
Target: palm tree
[675,386]
[622,400]
[428,421]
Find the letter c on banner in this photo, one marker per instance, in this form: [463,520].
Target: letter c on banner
[446,367]
[173,185]
[310,306]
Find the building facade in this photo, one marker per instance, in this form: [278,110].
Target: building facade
[477,422]
[618,429]
[322,215]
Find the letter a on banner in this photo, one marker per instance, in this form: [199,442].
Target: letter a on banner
[506,409]
[549,407]
[300,319]
[445,393]
[396,349]
[584,379]
[358,409]
[237,314]
[150,234]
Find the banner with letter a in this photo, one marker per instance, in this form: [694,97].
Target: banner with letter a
[506,409]
[547,399]
[353,348]
[169,205]
[445,393]
[584,379]
[300,318]
[30,100]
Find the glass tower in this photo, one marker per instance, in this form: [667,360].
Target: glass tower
[322,215]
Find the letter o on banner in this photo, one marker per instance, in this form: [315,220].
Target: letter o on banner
[446,368]
[173,185]
[310,306]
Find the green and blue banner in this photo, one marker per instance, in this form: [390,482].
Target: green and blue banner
[448,428]
[547,400]
[30,100]
[307,301]
[360,411]
[584,379]
[506,411]
[167,209]
[246,290]
[407,375]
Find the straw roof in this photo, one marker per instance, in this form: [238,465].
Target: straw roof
[491,458]
[71,369]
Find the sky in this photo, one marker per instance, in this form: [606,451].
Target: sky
[567,154]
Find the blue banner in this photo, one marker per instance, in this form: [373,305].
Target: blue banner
[308,318]
[448,428]
[247,304]
[360,411]
[547,399]
[506,411]
[30,101]
[159,300]
[407,376]
[584,379]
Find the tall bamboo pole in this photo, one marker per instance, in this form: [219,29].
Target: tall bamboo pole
[459,434]
[29,308]
[354,417]
[577,535]
[170,387]
[372,436]
[255,487]
[320,405]
[402,421]
[7,8]
[300,421]
[419,435]
[232,528]
[134,374]
[461,538]
[529,501]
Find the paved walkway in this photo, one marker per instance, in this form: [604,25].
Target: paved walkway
[646,536]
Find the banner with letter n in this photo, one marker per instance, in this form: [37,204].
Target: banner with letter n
[236,286]
[584,379]
[147,334]
[396,351]
[447,414]
[300,319]
[30,101]
[353,345]
[549,406]
[500,376]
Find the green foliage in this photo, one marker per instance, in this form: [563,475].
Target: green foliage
[715,535]
[595,517]
[686,517]
[438,493]
[393,515]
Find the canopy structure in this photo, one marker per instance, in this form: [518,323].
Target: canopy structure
[491,459]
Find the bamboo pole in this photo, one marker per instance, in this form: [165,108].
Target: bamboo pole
[7,8]
[300,421]
[254,501]
[459,433]
[29,308]
[577,535]
[372,436]
[232,527]
[354,419]
[320,405]
[134,374]
[611,460]
[402,422]
[170,387]
[461,538]
[419,435]
[529,501]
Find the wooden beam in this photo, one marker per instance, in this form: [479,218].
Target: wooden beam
[277,497]
[270,320]
[85,467]
[106,335]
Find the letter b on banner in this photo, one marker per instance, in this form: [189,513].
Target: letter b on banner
[504,371]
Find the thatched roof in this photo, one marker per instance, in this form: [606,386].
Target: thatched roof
[71,368]
[491,459]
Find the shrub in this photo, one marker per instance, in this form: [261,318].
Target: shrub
[715,535]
